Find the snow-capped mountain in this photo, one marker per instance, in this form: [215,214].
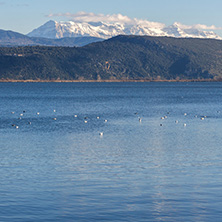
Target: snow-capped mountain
[56,30]
[179,30]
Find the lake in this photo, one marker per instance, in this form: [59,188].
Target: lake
[111,152]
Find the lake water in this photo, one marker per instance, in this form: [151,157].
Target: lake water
[156,169]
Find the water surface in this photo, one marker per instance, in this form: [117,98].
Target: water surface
[62,169]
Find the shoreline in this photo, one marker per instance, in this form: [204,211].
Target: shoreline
[127,80]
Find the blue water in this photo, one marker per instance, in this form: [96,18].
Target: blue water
[155,170]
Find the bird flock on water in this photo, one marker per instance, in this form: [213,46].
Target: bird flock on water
[54,118]
[85,119]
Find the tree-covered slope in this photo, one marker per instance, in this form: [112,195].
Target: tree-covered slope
[122,57]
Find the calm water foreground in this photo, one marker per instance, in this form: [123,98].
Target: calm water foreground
[55,166]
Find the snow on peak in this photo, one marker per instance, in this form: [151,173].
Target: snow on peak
[100,29]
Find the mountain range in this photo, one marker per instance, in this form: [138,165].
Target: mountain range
[10,39]
[78,34]
[57,30]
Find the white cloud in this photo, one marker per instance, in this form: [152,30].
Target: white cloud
[92,17]
[22,5]
[205,27]
[149,24]
[197,26]
[114,18]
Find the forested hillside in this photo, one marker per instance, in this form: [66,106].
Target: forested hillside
[121,58]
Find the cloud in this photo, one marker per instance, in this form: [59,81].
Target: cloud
[22,5]
[205,27]
[149,24]
[197,26]
[92,17]
[114,18]
[122,19]
[15,5]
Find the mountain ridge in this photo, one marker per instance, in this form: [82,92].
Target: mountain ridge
[54,29]
[123,58]
[12,39]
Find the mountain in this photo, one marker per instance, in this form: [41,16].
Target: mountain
[10,38]
[66,42]
[177,30]
[53,29]
[118,58]
[56,30]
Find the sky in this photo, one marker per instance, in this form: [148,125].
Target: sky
[25,15]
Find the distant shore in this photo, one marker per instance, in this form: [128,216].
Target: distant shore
[126,80]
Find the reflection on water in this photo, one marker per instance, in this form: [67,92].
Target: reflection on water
[155,170]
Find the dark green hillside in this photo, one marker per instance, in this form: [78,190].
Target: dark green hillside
[122,57]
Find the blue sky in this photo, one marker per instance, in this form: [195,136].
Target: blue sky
[25,15]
